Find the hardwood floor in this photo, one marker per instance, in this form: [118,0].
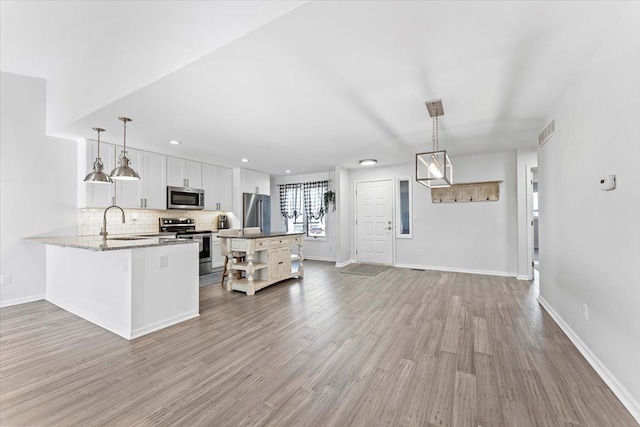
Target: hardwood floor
[409,348]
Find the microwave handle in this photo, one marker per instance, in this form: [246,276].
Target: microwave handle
[201,200]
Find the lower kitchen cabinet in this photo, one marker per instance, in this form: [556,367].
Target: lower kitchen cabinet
[279,260]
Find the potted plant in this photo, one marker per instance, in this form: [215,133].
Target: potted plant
[330,201]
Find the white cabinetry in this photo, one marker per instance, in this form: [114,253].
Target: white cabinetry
[217,183]
[93,195]
[184,173]
[150,190]
[255,182]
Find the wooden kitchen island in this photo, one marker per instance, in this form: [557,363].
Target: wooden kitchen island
[268,260]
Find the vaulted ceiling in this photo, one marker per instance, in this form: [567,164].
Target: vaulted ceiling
[303,86]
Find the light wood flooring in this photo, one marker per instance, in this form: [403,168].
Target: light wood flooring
[410,348]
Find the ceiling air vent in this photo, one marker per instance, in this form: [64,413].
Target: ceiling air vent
[547,133]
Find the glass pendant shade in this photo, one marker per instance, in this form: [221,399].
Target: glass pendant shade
[97,176]
[434,169]
[124,171]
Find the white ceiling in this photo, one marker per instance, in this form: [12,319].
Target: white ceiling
[304,86]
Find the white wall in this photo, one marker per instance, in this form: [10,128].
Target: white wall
[37,187]
[590,239]
[474,236]
[314,248]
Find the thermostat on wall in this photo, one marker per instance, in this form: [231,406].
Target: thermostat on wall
[608,182]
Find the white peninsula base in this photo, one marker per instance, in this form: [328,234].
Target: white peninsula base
[125,291]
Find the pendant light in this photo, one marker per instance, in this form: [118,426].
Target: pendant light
[124,171]
[98,176]
[433,168]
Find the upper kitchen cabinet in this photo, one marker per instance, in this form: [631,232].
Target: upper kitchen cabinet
[150,190]
[94,195]
[184,173]
[217,183]
[255,182]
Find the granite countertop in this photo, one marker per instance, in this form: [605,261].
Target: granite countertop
[262,235]
[97,243]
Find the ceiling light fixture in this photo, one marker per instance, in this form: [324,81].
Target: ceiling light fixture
[98,176]
[287,171]
[368,162]
[124,171]
[433,168]
[244,160]
[175,142]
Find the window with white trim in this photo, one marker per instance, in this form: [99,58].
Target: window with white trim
[302,207]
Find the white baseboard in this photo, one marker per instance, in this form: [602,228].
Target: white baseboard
[318,258]
[23,300]
[344,263]
[117,329]
[456,270]
[522,277]
[97,320]
[160,325]
[616,387]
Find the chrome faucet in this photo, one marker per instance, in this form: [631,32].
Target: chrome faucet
[103,232]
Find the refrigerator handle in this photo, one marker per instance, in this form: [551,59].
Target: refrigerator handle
[260,214]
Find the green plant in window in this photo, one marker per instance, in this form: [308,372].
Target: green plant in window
[330,201]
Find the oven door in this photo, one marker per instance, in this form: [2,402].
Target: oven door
[185,198]
[204,255]
[204,245]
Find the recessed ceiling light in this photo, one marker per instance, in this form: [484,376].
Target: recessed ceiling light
[287,171]
[368,162]
[244,160]
[175,142]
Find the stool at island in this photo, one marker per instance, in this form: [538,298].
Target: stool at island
[268,259]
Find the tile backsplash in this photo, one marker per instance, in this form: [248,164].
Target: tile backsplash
[141,220]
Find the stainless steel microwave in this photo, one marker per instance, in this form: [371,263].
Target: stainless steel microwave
[185,198]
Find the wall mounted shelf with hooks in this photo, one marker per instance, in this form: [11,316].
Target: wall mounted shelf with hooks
[488,191]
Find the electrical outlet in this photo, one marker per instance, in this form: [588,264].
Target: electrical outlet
[585,311]
[421,252]
[5,279]
[125,264]
[162,261]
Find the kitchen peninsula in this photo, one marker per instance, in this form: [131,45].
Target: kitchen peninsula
[268,259]
[130,286]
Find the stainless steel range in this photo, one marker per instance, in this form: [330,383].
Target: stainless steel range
[185,228]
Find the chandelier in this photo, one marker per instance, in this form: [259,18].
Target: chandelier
[433,168]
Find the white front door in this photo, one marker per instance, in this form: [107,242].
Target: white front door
[374,217]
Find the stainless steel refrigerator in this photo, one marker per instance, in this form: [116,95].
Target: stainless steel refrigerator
[256,211]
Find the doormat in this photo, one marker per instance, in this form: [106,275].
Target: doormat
[364,269]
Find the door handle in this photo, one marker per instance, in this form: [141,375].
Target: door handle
[388,228]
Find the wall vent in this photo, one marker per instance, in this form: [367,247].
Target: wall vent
[547,133]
